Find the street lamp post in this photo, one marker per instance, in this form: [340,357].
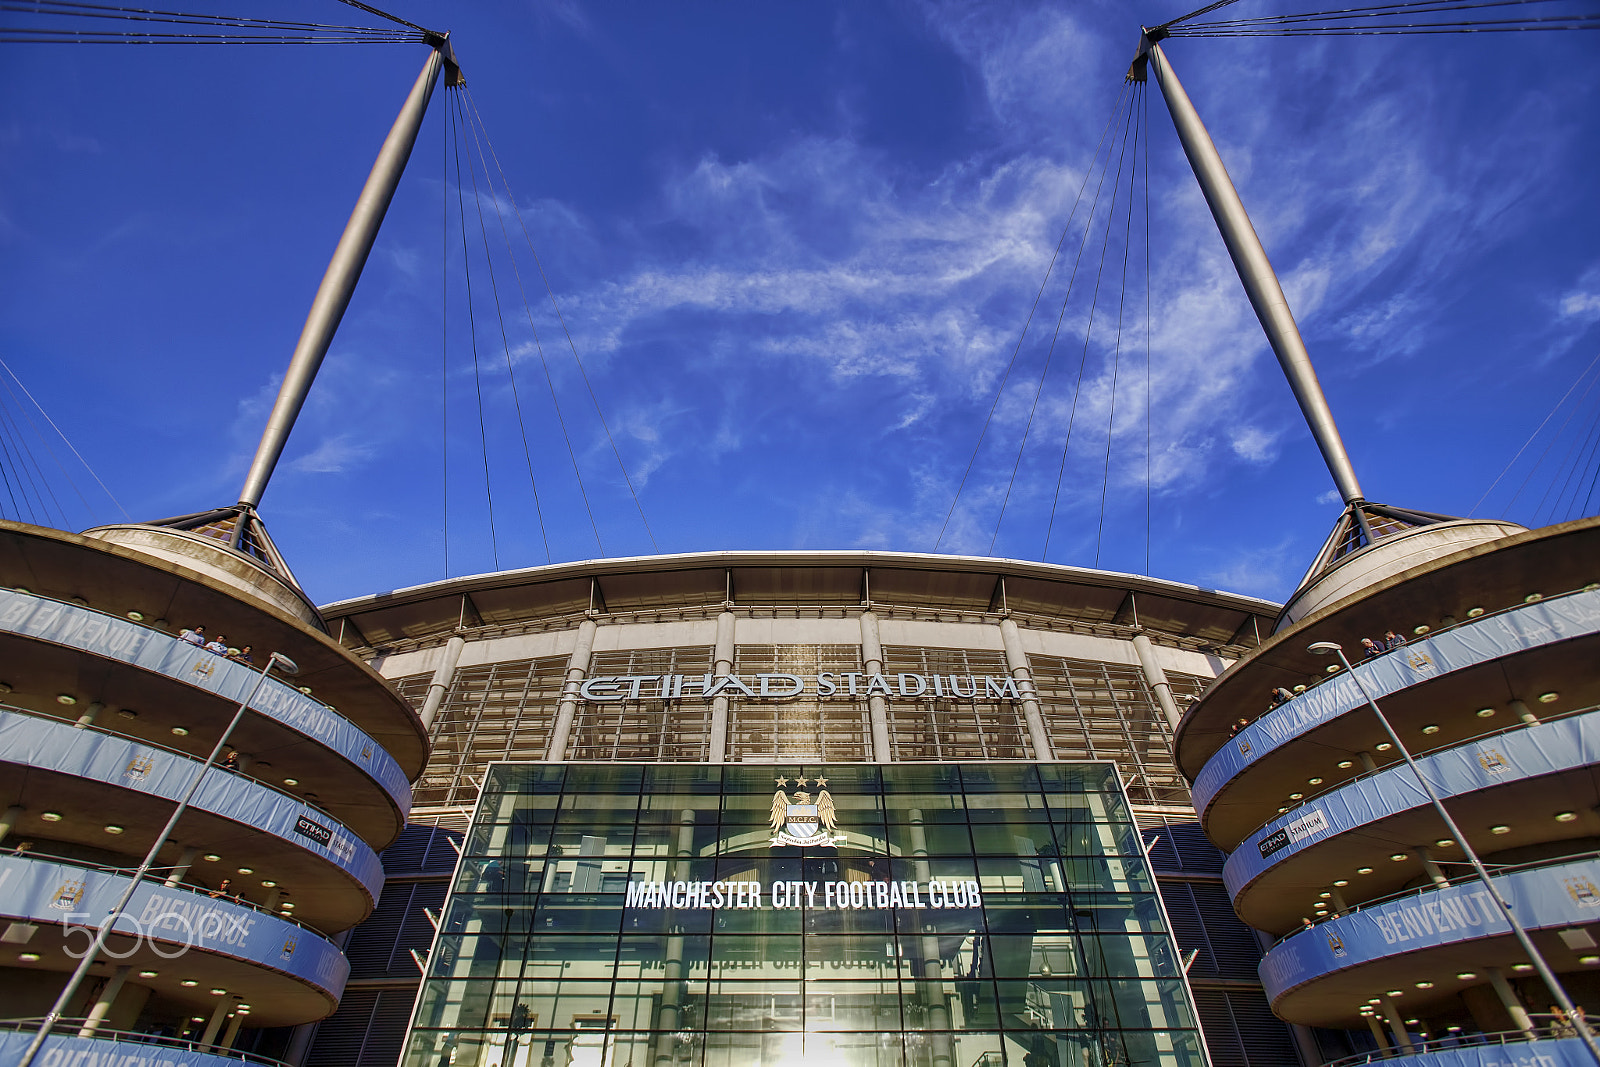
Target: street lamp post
[287,666]
[1557,990]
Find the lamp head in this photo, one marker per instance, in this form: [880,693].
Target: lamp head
[283,663]
[1324,648]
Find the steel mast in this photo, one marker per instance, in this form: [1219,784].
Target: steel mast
[344,270]
[1255,270]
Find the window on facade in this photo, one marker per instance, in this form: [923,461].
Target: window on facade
[834,729]
[644,729]
[952,727]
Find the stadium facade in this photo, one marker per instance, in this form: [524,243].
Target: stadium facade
[989,692]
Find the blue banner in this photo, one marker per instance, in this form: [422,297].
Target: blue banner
[119,639]
[67,1051]
[1528,752]
[1488,639]
[1553,1052]
[1564,894]
[50,745]
[173,921]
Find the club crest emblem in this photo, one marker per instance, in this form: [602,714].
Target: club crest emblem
[1583,891]
[139,768]
[68,895]
[804,819]
[1336,944]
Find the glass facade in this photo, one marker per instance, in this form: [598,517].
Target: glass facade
[972,915]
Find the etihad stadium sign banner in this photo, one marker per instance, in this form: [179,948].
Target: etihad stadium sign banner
[616,688]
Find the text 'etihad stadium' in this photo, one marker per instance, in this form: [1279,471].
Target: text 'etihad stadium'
[621,687]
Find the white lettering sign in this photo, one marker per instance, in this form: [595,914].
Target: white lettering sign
[783,895]
[777,686]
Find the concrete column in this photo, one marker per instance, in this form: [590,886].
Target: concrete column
[1520,710]
[1509,1000]
[1397,1026]
[877,706]
[1156,678]
[722,663]
[90,713]
[1367,763]
[567,709]
[219,1015]
[1432,868]
[185,861]
[673,987]
[271,903]
[103,1003]
[231,1034]
[1017,663]
[443,675]
[1339,905]
[9,820]
[1377,1033]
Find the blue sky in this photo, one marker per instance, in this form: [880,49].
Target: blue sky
[795,244]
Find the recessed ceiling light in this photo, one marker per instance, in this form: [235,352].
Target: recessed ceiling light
[1363,870]
[148,974]
[1345,765]
[269,883]
[1396,993]
[1502,829]
[1424,985]
[241,1011]
[1485,713]
[1566,816]
[1375,1000]
[211,857]
[1473,613]
[1549,698]
[188,982]
[1299,689]
[1430,729]
[1398,856]
[1383,746]
[66,698]
[136,616]
[287,905]
[113,828]
[1324,896]
[128,713]
[1467,976]
[1420,630]
[1523,967]
[1313,781]
[219,992]
[28,957]
[50,816]
[1332,667]
[180,731]
[1282,810]
[1590,960]
[1342,881]
[247,870]
[1446,842]
[291,781]
[1296,796]
[1533,598]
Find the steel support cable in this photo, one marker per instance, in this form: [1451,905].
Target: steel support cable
[45,441]
[1116,349]
[146,14]
[1399,7]
[1553,439]
[369,9]
[5,467]
[1578,470]
[472,330]
[64,438]
[1088,228]
[1028,322]
[1088,332]
[1570,458]
[16,35]
[538,345]
[1144,101]
[1038,391]
[1575,383]
[1575,22]
[1589,497]
[21,455]
[505,340]
[257,30]
[551,293]
[444,348]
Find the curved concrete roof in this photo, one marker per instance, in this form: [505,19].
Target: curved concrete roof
[800,579]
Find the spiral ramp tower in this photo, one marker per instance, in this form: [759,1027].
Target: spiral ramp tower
[107,715]
[1335,850]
